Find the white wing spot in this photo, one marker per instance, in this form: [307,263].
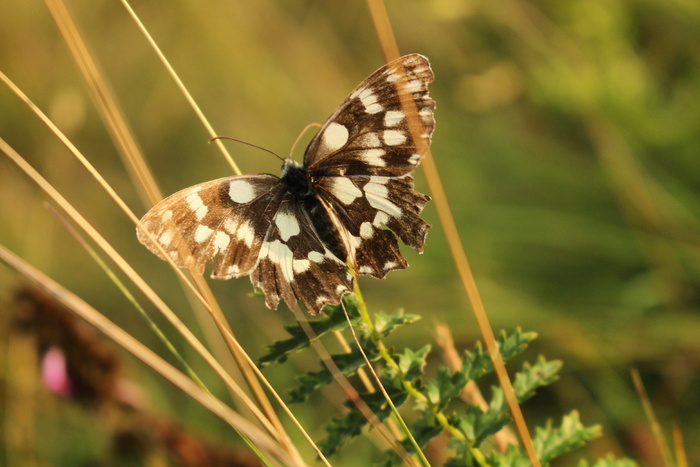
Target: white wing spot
[369,100]
[373,157]
[391,77]
[194,201]
[241,191]
[166,237]
[280,254]
[368,140]
[334,137]
[414,85]
[366,230]
[380,219]
[414,159]
[355,241]
[246,233]
[394,137]
[201,212]
[315,256]
[321,299]
[301,265]
[202,233]
[167,215]
[393,117]
[230,226]
[377,194]
[389,265]
[365,270]
[343,189]
[287,225]
[221,240]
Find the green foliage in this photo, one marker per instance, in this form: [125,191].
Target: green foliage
[332,321]
[550,442]
[435,407]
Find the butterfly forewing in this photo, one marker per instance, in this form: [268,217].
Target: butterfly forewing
[369,133]
[228,217]
[350,201]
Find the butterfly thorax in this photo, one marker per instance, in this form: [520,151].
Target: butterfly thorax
[295,179]
[297,182]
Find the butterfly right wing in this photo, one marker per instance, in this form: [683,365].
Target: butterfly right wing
[226,218]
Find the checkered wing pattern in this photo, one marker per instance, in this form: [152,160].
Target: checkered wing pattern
[252,226]
[349,202]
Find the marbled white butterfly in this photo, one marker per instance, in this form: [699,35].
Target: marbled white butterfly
[348,202]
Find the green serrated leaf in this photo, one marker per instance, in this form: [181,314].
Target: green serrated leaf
[479,425]
[412,363]
[513,457]
[387,323]
[334,320]
[343,429]
[478,363]
[340,430]
[348,363]
[542,373]
[494,419]
[423,431]
[552,442]
[444,387]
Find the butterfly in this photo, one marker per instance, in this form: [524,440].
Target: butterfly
[353,196]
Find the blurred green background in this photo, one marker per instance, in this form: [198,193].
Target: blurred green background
[567,137]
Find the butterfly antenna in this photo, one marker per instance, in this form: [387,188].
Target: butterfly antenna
[249,144]
[306,128]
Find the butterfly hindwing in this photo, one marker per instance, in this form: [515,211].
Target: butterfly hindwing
[296,264]
[373,211]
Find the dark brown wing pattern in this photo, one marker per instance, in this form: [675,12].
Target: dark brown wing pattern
[351,200]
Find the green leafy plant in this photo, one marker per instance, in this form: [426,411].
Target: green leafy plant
[435,407]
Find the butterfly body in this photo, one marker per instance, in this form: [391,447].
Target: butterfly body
[294,235]
[296,180]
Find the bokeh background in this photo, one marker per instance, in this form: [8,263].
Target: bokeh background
[568,140]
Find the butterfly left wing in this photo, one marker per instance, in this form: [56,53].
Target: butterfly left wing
[252,226]
[226,219]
